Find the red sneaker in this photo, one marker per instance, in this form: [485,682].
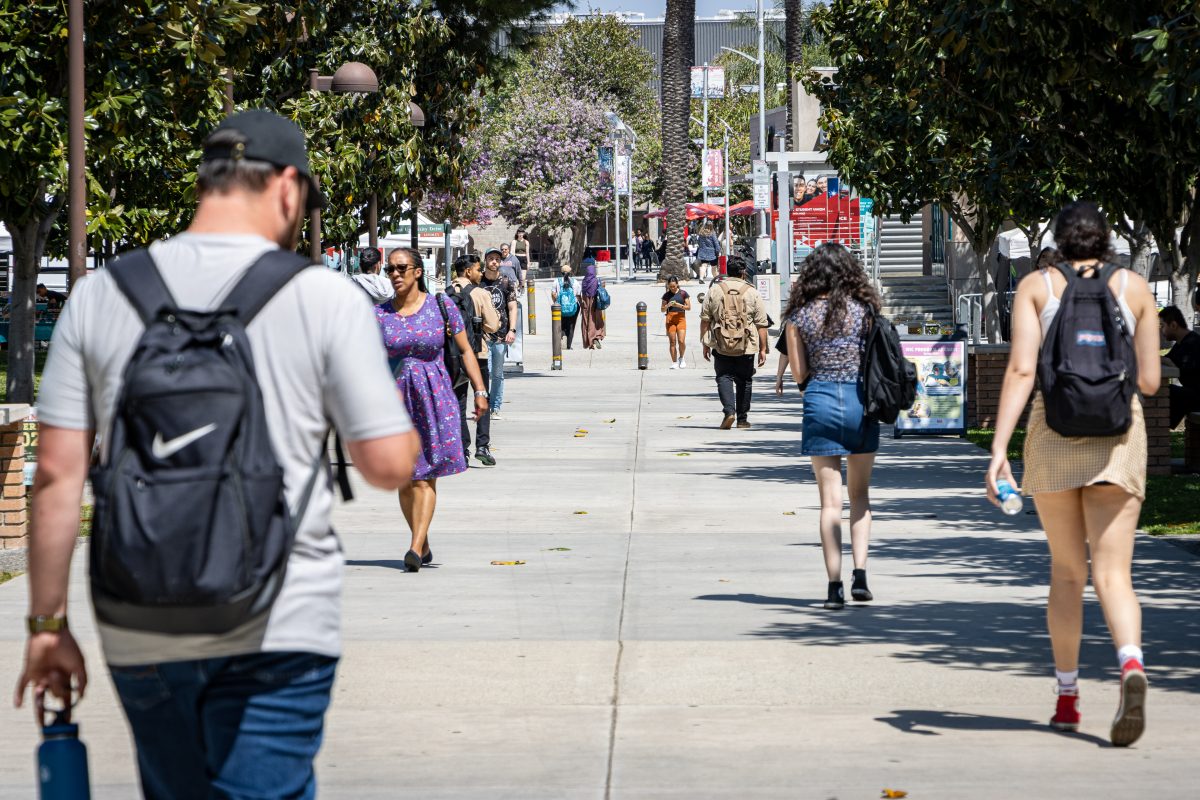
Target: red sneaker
[1066,714]
[1131,713]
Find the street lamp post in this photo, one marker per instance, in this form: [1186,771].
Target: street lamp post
[353,77]
[622,133]
[76,151]
[761,63]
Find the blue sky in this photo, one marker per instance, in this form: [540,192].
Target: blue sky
[655,8]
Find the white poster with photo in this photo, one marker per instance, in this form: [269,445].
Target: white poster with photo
[714,169]
[621,176]
[716,82]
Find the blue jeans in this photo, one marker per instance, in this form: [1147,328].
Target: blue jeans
[240,727]
[496,353]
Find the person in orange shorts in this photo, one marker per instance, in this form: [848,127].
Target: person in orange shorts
[675,304]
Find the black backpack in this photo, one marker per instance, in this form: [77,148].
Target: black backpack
[1087,368]
[452,355]
[191,532]
[889,379]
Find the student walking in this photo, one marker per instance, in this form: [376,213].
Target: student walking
[503,290]
[828,317]
[480,319]
[566,294]
[590,312]
[375,285]
[520,251]
[416,328]
[675,304]
[733,332]
[708,252]
[223,698]
[1088,489]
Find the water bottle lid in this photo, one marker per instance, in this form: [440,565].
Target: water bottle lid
[61,730]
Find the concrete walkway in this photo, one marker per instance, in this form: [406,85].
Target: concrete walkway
[669,642]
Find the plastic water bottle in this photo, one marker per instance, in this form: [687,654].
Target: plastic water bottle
[62,762]
[1010,500]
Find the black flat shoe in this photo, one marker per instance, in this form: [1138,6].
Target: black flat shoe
[412,562]
[427,558]
[836,598]
[858,588]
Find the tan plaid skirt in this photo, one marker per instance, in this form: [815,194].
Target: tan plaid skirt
[1056,463]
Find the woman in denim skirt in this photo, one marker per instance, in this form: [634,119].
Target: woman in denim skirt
[829,316]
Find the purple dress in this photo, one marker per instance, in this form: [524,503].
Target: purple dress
[414,347]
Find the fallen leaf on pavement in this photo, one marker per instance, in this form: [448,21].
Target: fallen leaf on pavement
[580,512]
[890,793]
[689,416]
[722,580]
[507,563]
[789,513]
[610,421]
[683,454]
[557,549]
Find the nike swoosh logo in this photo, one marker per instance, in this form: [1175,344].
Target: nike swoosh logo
[164,450]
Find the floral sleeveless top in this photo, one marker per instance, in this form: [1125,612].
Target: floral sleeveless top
[836,359]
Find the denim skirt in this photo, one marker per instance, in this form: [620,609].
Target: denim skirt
[834,422]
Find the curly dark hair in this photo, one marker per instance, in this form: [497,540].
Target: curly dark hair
[1048,258]
[831,272]
[1082,233]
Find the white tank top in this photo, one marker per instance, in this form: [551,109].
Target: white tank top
[1052,304]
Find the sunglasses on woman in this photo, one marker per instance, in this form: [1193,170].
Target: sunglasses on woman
[392,269]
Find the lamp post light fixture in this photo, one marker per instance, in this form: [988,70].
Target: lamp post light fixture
[623,133]
[761,63]
[353,77]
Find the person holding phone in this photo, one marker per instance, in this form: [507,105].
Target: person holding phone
[676,302]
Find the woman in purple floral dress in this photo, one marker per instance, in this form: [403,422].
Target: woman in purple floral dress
[415,324]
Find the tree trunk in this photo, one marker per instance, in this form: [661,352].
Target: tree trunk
[578,243]
[678,45]
[1140,260]
[793,51]
[29,242]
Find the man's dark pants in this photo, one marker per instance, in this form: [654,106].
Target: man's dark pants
[1184,400]
[236,727]
[735,381]
[483,425]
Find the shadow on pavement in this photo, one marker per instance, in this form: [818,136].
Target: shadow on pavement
[1008,636]
[919,721]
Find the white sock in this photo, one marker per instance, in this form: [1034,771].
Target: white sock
[1130,651]
[1068,682]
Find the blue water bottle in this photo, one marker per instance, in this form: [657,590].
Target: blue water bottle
[1010,500]
[62,761]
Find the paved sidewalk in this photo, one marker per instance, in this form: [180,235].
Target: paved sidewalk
[669,643]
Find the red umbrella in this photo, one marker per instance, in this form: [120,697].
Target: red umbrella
[742,209]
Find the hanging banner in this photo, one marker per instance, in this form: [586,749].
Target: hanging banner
[941,405]
[716,82]
[622,173]
[604,157]
[714,169]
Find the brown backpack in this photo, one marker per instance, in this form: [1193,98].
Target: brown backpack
[732,330]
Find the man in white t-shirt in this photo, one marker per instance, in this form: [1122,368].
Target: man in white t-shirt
[238,714]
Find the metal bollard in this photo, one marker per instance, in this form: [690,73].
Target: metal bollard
[532,309]
[556,335]
[643,349]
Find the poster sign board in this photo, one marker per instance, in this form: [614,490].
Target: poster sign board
[716,82]
[604,165]
[622,176]
[762,186]
[941,406]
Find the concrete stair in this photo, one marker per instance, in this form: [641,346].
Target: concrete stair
[908,296]
[901,246]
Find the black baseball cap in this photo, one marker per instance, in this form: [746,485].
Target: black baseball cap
[491,250]
[268,137]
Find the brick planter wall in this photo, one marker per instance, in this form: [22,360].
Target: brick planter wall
[985,376]
[14,516]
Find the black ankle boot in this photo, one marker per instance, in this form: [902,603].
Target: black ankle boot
[858,588]
[836,598]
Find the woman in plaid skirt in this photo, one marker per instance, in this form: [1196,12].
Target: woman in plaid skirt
[1088,490]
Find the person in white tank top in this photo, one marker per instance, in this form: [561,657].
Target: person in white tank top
[1088,490]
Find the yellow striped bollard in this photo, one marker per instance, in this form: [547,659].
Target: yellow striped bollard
[643,354]
[556,336]
[532,309]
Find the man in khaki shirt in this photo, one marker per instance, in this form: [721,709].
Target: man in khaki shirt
[468,271]
[735,368]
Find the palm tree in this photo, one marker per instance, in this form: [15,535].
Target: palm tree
[793,52]
[678,52]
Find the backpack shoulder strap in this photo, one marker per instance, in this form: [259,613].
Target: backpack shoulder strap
[1067,272]
[262,281]
[440,299]
[140,281]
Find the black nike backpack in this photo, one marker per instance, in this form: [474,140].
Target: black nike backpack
[191,532]
[1087,368]
[889,379]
